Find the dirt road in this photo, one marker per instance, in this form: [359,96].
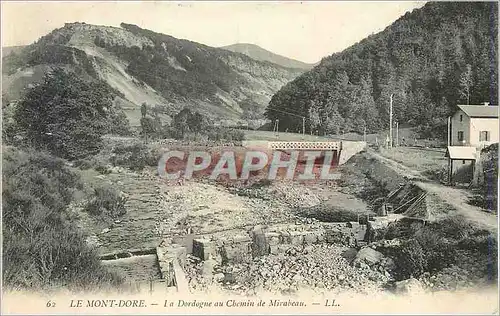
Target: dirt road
[455,197]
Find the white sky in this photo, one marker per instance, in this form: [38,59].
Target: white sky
[306,31]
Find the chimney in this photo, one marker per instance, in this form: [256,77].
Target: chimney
[486,103]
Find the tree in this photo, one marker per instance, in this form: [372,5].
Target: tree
[144,109]
[65,114]
[466,83]
[149,127]
[180,122]
[420,59]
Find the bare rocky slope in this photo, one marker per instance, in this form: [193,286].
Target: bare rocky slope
[150,67]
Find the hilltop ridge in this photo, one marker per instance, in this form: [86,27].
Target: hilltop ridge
[145,66]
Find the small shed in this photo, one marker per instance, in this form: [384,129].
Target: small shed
[461,163]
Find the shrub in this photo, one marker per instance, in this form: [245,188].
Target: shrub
[261,183]
[106,201]
[410,260]
[42,247]
[438,251]
[135,157]
[227,134]
[102,168]
[83,164]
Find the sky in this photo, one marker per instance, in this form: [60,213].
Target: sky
[306,31]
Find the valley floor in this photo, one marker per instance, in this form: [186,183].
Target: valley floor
[159,210]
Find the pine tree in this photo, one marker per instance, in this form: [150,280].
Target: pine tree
[466,83]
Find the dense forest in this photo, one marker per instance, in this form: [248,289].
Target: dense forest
[431,59]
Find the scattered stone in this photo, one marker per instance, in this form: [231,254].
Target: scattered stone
[410,286]
[93,241]
[219,277]
[369,256]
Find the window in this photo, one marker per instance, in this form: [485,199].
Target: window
[461,117]
[460,136]
[484,136]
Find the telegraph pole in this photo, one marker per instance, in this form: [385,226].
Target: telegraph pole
[397,134]
[449,125]
[390,122]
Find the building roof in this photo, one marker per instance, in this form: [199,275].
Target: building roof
[461,152]
[487,111]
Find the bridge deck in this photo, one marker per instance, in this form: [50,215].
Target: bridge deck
[306,145]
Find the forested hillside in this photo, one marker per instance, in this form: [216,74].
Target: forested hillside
[431,59]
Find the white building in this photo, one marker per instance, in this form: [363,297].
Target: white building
[471,128]
[475,126]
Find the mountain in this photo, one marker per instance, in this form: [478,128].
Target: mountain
[430,60]
[9,49]
[259,53]
[144,66]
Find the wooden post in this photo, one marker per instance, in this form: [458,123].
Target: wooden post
[451,172]
[397,134]
[449,131]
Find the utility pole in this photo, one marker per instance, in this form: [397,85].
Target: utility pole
[390,122]
[449,127]
[397,134]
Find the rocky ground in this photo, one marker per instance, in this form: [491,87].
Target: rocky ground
[324,268]
[157,209]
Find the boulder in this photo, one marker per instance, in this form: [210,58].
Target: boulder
[260,245]
[350,254]
[409,286]
[219,277]
[203,249]
[369,256]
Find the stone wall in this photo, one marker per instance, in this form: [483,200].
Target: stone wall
[265,240]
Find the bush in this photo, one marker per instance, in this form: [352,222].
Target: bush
[261,183]
[42,247]
[438,251]
[135,157]
[57,257]
[102,168]
[106,201]
[228,134]
[410,260]
[83,164]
